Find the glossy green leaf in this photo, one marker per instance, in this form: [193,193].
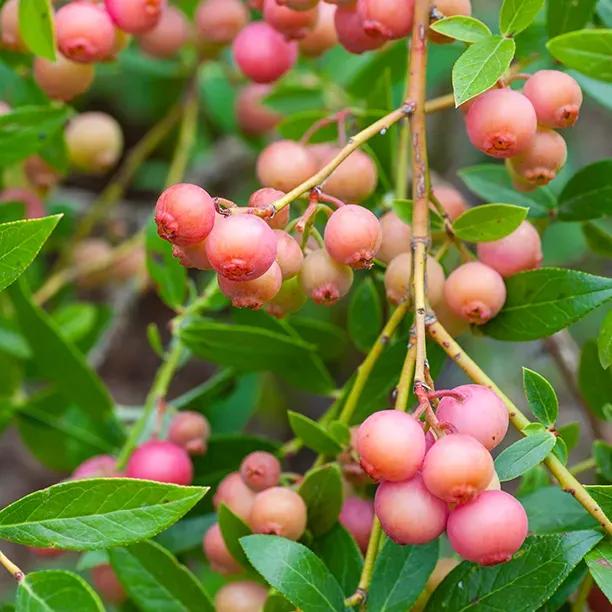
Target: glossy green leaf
[400,574]
[403,209]
[56,591]
[568,15]
[340,432]
[296,572]
[588,51]
[523,455]
[460,27]
[365,315]
[542,302]
[599,562]
[598,239]
[20,242]
[186,534]
[602,494]
[255,349]
[341,555]
[528,580]
[480,66]
[604,342]
[588,194]
[541,396]
[488,222]
[233,528]
[534,479]
[322,492]
[155,580]
[312,434]
[602,452]
[568,586]
[594,382]
[36,27]
[96,513]
[517,15]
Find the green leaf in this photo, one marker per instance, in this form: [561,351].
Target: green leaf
[479,68]
[290,98]
[492,183]
[594,382]
[523,455]
[400,574]
[567,15]
[331,340]
[517,15]
[312,434]
[602,494]
[155,580]
[339,551]
[599,562]
[541,396]
[488,222]
[560,450]
[296,572]
[403,209]
[598,239]
[542,302]
[277,603]
[233,528]
[321,490]
[36,27]
[20,242]
[588,194]
[604,342]
[570,432]
[528,580]
[602,452]
[588,51]
[254,349]
[459,27]
[96,513]
[56,591]
[534,479]
[365,315]
[187,534]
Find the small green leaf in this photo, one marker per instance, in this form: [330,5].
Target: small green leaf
[233,528]
[340,432]
[588,51]
[604,342]
[321,490]
[602,451]
[479,68]
[570,432]
[567,15]
[154,337]
[594,382]
[588,194]
[36,27]
[488,222]
[365,315]
[599,562]
[532,480]
[560,450]
[403,209]
[523,455]
[541,396]
[312,434]
[95,513]
[459,27]
[517,15]
[295,571]
[56,591]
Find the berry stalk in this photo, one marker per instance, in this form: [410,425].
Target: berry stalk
[11,568]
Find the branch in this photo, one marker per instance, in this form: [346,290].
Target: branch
[11,568]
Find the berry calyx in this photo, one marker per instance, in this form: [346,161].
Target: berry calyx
[387,18]
[260,470]
[323,279]
[253,294]
[189,430]
[161,461]
[279,511]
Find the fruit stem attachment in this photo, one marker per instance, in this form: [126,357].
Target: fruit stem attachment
[564,477]
[11,568]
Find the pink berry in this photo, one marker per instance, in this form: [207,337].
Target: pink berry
[290,23]
[62,79]
[220,21]
[388,18]
[540,162]
[489,529]
[242,596]
[85,32]
[351,32]
[215,549]
[100,466]
[4,108]
[556,97]
[323,36]
[476,411]
[279,511]
[408,512]
[323,279]
[449,8]
[501,122]
[168,36]
[475,292]
[192,256]
[430,440]
[451,322]
[10,36]
[253,294]
[235,495]
[107,584]
[263,54]
[285,164]
[184,214]
[521,250]
[161,461]
[253,116]
[452,201]
[34,206]
[289,255]
[260,470]
[262,198]
[349,463]
[391,445]
[398,280]
[289,299]
[241,247]
[189,430]
[396,237]
[457,467]
[356,517]
[135,16]
[354,180]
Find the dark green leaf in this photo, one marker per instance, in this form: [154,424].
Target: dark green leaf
[528,580]
[570,433]
[20,242]
[459,27]
[155,580]
[568,586]
[293,98]
[541,396]
[488,222]
[602,451]
[312,434]
[567,15]
[331,340]
[321,490]
[400,575]
[604,342]
[523,455]
[560,450]
[598,239]
[517,15]
[588,194]
[233,528]
[187,534]
[542,302]
[340,432]
[588,51]
[599,561]
[602,494]
[56,591]
[296,572]
[209,391]
[36,27]
[365,315]
[96,513]
[594,382]
[532,480]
